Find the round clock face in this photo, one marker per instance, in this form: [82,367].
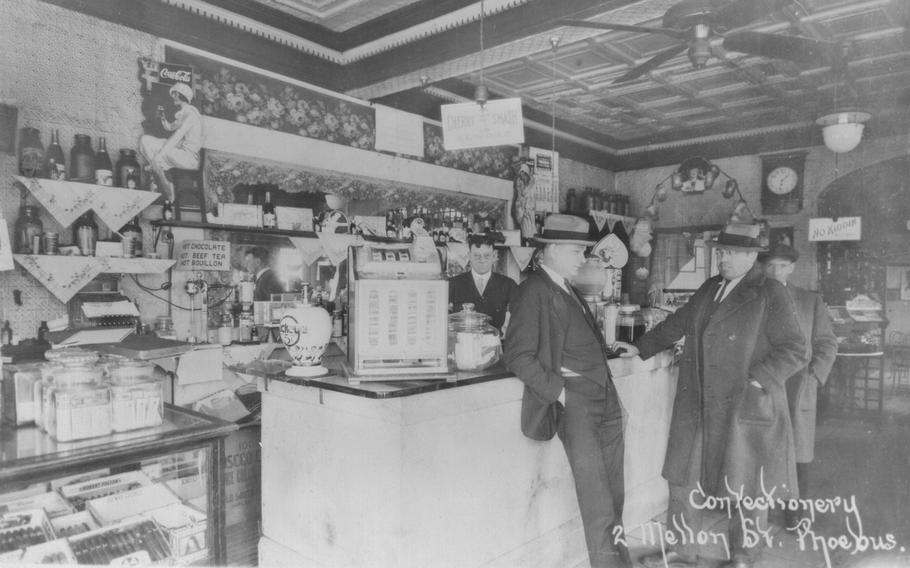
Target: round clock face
[782,180]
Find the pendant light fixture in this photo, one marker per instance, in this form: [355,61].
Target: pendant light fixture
[481,94]
[842,130]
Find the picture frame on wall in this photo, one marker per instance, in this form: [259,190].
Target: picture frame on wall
[780,236]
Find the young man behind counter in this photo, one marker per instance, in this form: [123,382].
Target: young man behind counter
[488,291]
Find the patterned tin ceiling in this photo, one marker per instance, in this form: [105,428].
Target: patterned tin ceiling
[417,54]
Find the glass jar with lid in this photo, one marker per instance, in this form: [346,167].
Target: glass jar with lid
[630,325]
[474,344]
[137,399]
[80,404]
[56,359]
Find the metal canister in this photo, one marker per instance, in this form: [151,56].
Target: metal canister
[36,244]
[51,242]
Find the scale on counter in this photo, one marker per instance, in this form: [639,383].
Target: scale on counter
[398,311]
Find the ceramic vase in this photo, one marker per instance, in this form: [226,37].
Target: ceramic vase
[305,331]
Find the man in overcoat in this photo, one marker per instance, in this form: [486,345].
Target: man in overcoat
[821,350]
[554,345]
[730,430]
[489,291]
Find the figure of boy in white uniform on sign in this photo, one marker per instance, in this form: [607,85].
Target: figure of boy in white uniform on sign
[181,149]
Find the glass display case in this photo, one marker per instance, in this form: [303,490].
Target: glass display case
[152,495]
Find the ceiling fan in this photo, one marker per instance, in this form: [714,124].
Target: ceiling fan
[695,23]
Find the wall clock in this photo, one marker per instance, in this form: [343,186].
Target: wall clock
[782,183]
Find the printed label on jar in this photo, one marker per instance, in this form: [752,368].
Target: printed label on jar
[104,177]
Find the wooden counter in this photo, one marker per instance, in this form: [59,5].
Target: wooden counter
[437,473]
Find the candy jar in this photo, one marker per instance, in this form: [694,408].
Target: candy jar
[473,343]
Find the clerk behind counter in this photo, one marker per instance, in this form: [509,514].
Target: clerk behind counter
[488,291]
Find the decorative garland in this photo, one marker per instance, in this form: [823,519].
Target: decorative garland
[224,171]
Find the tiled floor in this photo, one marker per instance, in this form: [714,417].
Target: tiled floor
[861,456]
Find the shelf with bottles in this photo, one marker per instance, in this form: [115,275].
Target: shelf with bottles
[66,201]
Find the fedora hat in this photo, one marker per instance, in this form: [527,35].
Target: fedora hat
[564,230]
[780,251]
[183,89]
[739,236]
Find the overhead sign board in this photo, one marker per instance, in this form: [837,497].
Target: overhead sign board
[839,229]
[204,255]
[469,125]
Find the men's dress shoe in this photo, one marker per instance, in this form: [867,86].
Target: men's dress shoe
[671,559]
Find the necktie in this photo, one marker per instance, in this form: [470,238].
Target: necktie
[481,284]
[723,289]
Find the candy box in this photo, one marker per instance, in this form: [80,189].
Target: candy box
[52,552]
[24,528]
[77,523]
[78,493]
[138,541]
[185,528]
[119,506]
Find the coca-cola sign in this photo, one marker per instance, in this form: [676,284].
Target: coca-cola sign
[176,75]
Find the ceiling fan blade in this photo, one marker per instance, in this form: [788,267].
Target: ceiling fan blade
[678,34]
[653,63]
[740,13]
[793,48]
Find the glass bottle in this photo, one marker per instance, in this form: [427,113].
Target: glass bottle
[269,220]
[82,159]
[104,174]
[28,228]
[43,330]
[6,334]
[571,200]
[85,234]
[133,232]
[128,173]
[31,152]
[54,160]
[167,210]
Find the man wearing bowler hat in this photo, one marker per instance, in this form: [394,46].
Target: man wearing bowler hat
[821,349]
[555,347]
[730,433]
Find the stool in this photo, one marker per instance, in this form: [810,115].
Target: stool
[189,197]
[900,375]
[899,359]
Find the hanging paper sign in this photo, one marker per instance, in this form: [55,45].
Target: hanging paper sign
[839,229]
[310,249]
[522,256]
[469,125]
[204,255]
[398,131]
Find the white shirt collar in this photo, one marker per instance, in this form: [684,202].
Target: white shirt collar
[732,284]
[555,277]
[260,273]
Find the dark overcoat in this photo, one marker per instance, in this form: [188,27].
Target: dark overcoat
[747,437]
[802,387]
[494,301]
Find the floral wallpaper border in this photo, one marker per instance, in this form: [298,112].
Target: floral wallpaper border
[239,95]
[224,171]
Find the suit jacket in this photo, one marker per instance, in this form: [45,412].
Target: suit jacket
[266,285]
[752,334]
[550,329]
[494,301]
[802,387]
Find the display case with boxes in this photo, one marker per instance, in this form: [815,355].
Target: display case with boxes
[150,495]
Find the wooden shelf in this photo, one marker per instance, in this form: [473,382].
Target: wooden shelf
[234,228]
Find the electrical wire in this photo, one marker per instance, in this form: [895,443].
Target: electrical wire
[150,292]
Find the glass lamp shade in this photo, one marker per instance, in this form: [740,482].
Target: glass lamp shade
[843,131]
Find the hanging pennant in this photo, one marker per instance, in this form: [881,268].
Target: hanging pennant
[310,249]
[522,256]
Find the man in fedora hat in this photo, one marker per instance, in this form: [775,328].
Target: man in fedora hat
[488,291]
[821,349]
[730,433]
[555,347]
[180,149]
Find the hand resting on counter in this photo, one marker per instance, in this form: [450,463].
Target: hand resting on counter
[624,349]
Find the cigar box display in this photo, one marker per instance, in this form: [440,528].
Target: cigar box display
[53,552]
[23,529]
[119,506]
[79,493]
[76,523]
[51,503]
[17,393]
[185,528]
[134,542]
